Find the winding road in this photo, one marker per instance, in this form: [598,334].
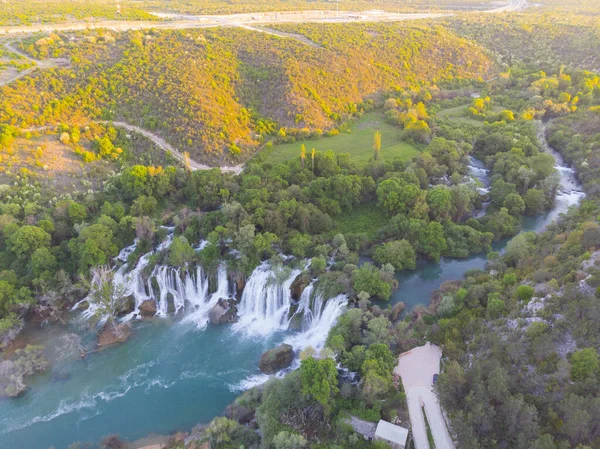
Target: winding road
[43,64]
[162,144]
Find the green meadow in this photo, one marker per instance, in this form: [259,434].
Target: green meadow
[357,141]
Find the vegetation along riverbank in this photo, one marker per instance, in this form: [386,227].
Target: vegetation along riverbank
[228,237]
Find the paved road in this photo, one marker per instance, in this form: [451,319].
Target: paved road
[244,20]
[417,367]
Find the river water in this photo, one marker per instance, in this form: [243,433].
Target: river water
[174,373]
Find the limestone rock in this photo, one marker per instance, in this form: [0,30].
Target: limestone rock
[111,334]
[276,359]
[299,284]
[239,413]
[225,311]
[148,308]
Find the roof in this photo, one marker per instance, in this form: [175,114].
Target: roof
[365,428]
[391,432]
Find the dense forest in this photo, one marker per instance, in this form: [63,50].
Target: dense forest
[520,338]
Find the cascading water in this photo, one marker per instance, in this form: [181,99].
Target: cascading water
[196,293]
[478,172]
[317,320]
[266,303]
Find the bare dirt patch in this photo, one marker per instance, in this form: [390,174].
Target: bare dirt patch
[47,160]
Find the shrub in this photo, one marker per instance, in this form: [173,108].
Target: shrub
[525,292]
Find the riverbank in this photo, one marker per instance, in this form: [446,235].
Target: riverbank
[160,372]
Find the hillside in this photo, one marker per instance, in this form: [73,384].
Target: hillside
[522,336]
[551,38]
[218,93]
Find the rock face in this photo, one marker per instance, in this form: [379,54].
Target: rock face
[299,285]
[276,359]
[225,311]
[148,308]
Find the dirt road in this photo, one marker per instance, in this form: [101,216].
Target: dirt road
[417,367]
[162,144]
[43,64]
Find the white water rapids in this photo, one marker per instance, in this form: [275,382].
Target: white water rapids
[266,305]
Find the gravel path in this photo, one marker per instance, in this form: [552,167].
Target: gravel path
[417,367]
[161,143]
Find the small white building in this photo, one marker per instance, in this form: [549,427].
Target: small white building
[395,436]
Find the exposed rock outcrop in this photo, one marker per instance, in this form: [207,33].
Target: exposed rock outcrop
[111,334]
[276,359]
[299,284]
[239,413]
[148,308]
[225,311]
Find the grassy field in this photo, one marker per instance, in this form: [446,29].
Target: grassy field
[457,115]
[366,218]
[357,141]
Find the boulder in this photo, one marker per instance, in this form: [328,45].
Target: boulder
[111,334]
[276,359]
[299,284]
[128,306]
[224,311]
[148,308]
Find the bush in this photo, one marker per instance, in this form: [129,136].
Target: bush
[525,292]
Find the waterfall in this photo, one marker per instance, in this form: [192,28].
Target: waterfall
[304,309]
[265,303]
[318,321]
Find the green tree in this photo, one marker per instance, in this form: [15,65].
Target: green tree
[431,241]
[94,246]
[77,213]
[377,144]
[514,204]
[495,306]
[525,292]
[396,195]
[180,252]
[27,239]
[584,364]
[535,202]
[287,440]
[399,253]
[439,200]
[367,279]
[319,379]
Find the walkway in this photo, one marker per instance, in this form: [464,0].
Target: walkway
[417,367]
